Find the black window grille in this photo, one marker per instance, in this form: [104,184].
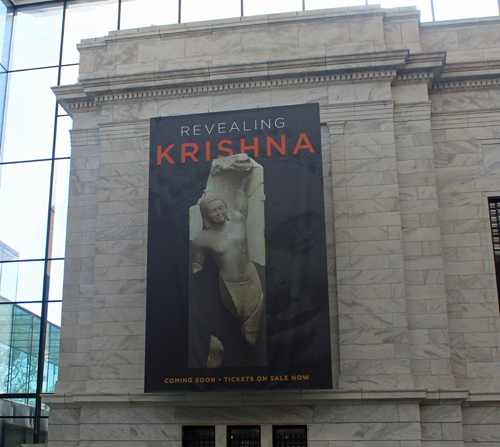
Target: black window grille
[198,436]
[494,204]
[243,436]
[290,436]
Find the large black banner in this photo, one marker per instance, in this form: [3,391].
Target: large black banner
[237,291]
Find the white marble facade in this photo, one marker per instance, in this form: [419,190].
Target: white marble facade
[410,118]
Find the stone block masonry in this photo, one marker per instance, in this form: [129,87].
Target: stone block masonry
[410,139]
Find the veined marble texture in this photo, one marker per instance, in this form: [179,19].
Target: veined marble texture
[409,122]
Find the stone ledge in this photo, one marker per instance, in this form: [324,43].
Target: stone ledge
[342,13]
[483,397]
[285,398]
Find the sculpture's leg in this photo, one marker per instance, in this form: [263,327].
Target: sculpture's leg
[245,301]
[250,328]
[216,353]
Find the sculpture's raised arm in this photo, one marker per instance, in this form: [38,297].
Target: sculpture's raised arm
[241,199]
[198,257]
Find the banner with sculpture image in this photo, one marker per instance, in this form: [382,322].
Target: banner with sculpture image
[237,290]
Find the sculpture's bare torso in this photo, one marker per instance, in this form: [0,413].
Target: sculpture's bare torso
[224,237]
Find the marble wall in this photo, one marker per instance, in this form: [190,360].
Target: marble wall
[411,137]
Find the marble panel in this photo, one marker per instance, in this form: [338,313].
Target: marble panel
[377,276]
[379,336]
[392,431]
[491,158]
[335,432]
[214,44]
[349,93]
[325,33]
[384,366]
[486,433]
[237,101]
[244,415]
[356,413]
[104,432]
[297,96]
[376,247]
[185,106]
[150,431]
[269,38]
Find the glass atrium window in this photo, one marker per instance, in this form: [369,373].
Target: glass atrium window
[424,6]
[86,19]
[37,37]
[323,4]
[143,13]
[198,10]
[257,7]
[448,10]
[6,13]
[28,130]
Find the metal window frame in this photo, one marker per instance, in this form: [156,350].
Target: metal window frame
[203,440]
[292,441]
[494,211]
[250,441]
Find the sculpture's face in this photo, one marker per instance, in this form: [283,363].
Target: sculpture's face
[217,212]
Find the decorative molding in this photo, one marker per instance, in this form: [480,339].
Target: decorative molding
[224,87]
[414,78]
[465,84]
[290,397]
[82,105]
[228,87]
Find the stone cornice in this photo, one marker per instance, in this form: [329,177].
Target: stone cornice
[466,84]
[241,23]
[282,398]
[469,75]
[396,66]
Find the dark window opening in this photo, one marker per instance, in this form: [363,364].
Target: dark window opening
[289,436]
[247,436]
[198,436]
[494,205]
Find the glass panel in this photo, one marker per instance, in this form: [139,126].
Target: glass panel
[5,32]
[325,4]
[21,281]
[256,7]
[25,401]
[24,195]
[8,272]
[19,343]
[424,6]
[37,37]
[142,13]
[63,140]
[16,431]
[3,92]
[61,111]
[56,274]
[69,75]
[29,281]
[59,210]
[451,10]
[29,118]
[197,10]
[52,341]
[86,19]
